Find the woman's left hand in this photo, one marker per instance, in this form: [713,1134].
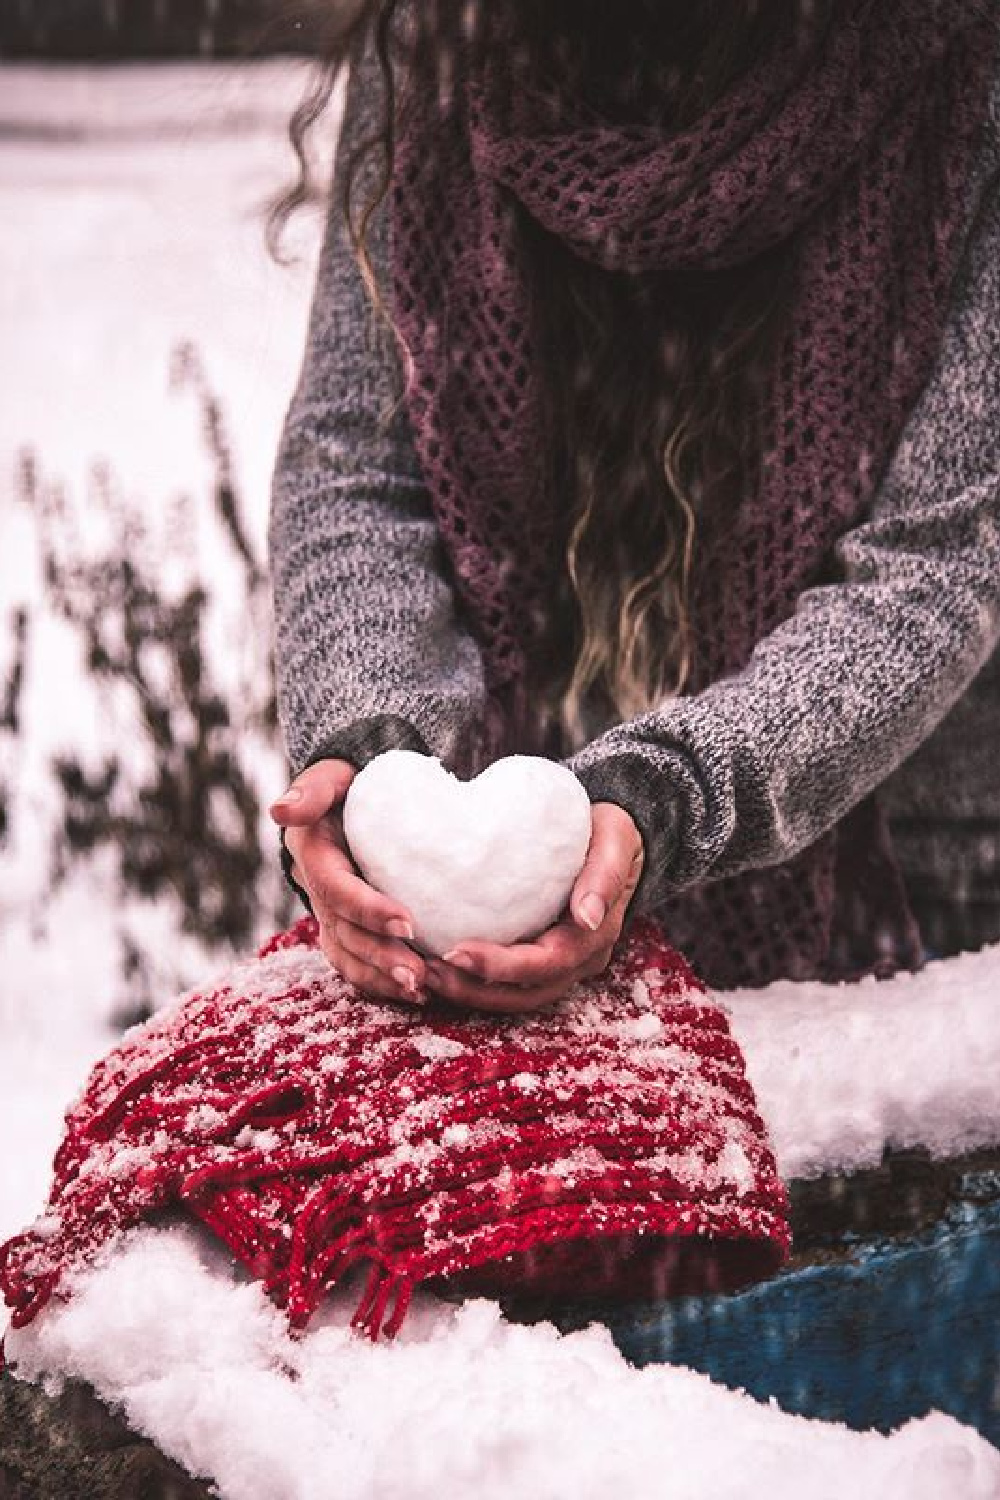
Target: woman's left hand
[527,976]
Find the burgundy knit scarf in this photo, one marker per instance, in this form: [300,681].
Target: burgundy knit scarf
[860,148]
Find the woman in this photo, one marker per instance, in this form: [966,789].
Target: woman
[682,463]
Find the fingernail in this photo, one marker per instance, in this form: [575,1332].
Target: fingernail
[460,960]
[294,794]
[405,978]
[398,928]
[593,911]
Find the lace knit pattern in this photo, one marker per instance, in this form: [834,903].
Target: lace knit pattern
[864,156]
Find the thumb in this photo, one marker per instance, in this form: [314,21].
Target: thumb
[612,867]
[312,794]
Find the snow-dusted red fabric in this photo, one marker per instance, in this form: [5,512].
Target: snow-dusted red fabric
[609,1147]
[859,147]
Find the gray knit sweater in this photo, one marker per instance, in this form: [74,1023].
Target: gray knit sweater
[888,677]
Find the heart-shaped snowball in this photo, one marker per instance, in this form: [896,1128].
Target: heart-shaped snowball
[493,858]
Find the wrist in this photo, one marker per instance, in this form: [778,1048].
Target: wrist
[362,740]
[627,781]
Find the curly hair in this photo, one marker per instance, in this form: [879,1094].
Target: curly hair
[654,383]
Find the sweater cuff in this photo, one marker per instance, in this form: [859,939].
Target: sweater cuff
[358,743]
[628,781]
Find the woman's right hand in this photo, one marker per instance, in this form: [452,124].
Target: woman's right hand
[361,931]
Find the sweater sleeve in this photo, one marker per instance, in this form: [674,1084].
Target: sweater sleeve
[369,652]
[753,770]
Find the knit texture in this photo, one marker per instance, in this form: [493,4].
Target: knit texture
[610,1147]
[863,153]
[877,680]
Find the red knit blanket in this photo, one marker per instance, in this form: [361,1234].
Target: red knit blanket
[609,1147]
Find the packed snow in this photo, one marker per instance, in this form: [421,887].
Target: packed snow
[131,200]
[842,1070]
[493,858]
[463,1403]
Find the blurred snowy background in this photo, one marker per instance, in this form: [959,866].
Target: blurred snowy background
[150,346]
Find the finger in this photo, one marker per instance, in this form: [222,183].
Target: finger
[598,963]
[393,959]
[338,892]
[365,977]
[500,999]
[292,839]
[313,792]
[560,951]
[296,874]
[611,869]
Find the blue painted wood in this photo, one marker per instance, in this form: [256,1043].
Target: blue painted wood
[894,1331]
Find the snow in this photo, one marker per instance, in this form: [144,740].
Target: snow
[494,858]
[131,200]
[841,1071]
[141,191]
[463,1403]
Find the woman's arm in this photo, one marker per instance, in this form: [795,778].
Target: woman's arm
[757,767]
[754,769]
[369,652]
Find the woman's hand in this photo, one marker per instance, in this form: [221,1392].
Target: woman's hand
[361,931]
[527,976]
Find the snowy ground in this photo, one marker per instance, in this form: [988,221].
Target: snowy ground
[131,202]
[464,1404]
[132,206]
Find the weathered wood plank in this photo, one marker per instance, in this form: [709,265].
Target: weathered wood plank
[71,1446]
[908,1192]
[872,1339]
[889,1308]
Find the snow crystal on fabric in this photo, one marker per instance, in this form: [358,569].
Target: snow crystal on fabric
[313,1130]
